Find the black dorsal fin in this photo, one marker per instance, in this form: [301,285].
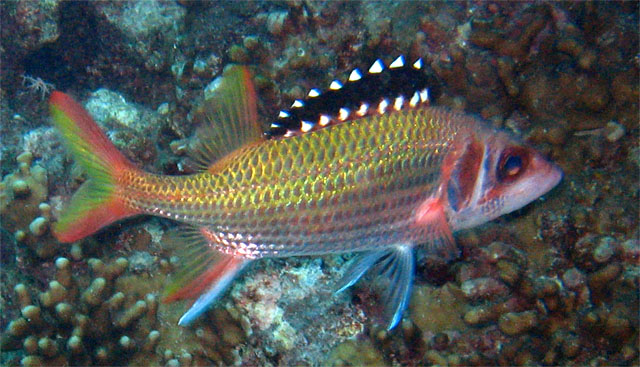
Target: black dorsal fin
[376,91]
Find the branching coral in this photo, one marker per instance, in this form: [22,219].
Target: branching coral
[71,323]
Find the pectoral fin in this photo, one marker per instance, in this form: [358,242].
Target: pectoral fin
[431,217]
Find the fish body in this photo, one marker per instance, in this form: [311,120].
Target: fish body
[351,187]
[378,184]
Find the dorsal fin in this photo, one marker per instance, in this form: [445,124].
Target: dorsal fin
[229,117]
[379,90]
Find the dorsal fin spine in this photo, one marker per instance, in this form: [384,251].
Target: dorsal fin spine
[230,118]
[359,96]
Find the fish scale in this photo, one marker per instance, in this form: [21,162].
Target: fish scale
[286,179]
[378,180]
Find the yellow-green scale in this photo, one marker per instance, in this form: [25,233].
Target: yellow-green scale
[347,187]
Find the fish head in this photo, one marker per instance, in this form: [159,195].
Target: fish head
[490,174]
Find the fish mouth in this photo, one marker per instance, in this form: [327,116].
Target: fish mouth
[548,175]
[555,176]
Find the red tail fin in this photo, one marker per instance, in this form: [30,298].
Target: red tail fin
[97,203]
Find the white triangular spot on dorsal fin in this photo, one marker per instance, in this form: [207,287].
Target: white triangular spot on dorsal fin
[362,110]
[343,114]
[335,85]
[397,104]
[377,67]
[283,114]
[415,99]
[273,124]
[382,107]
[355,75]
[324,120]
[314,92]
[397,63]
[297,104]
[418,64]
[289,134]
[306,126]
[424,95]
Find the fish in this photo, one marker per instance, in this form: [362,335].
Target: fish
[369,166]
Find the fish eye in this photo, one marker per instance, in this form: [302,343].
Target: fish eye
[511,164]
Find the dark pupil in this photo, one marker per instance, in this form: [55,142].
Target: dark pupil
[512,165]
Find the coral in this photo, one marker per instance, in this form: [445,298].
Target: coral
[104,314]
[429,305]
[130,127]
[147,26]
[555,283]
[112,111]
[208,66]
[355,353]
[275,303]
[92,324]
[23,207]
[514,323]
[43,143]
[483,288]
[141,261]
[36,21]
[107,106]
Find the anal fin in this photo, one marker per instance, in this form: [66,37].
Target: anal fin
[218,278]
[204,272]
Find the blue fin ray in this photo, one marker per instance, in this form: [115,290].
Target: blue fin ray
[211,294]
[396,297]
[395,264]
[358,268]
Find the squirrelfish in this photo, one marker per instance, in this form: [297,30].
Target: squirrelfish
[352,169]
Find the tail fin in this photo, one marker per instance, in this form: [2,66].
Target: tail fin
[96,203]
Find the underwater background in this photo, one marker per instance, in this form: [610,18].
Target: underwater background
[556,283]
